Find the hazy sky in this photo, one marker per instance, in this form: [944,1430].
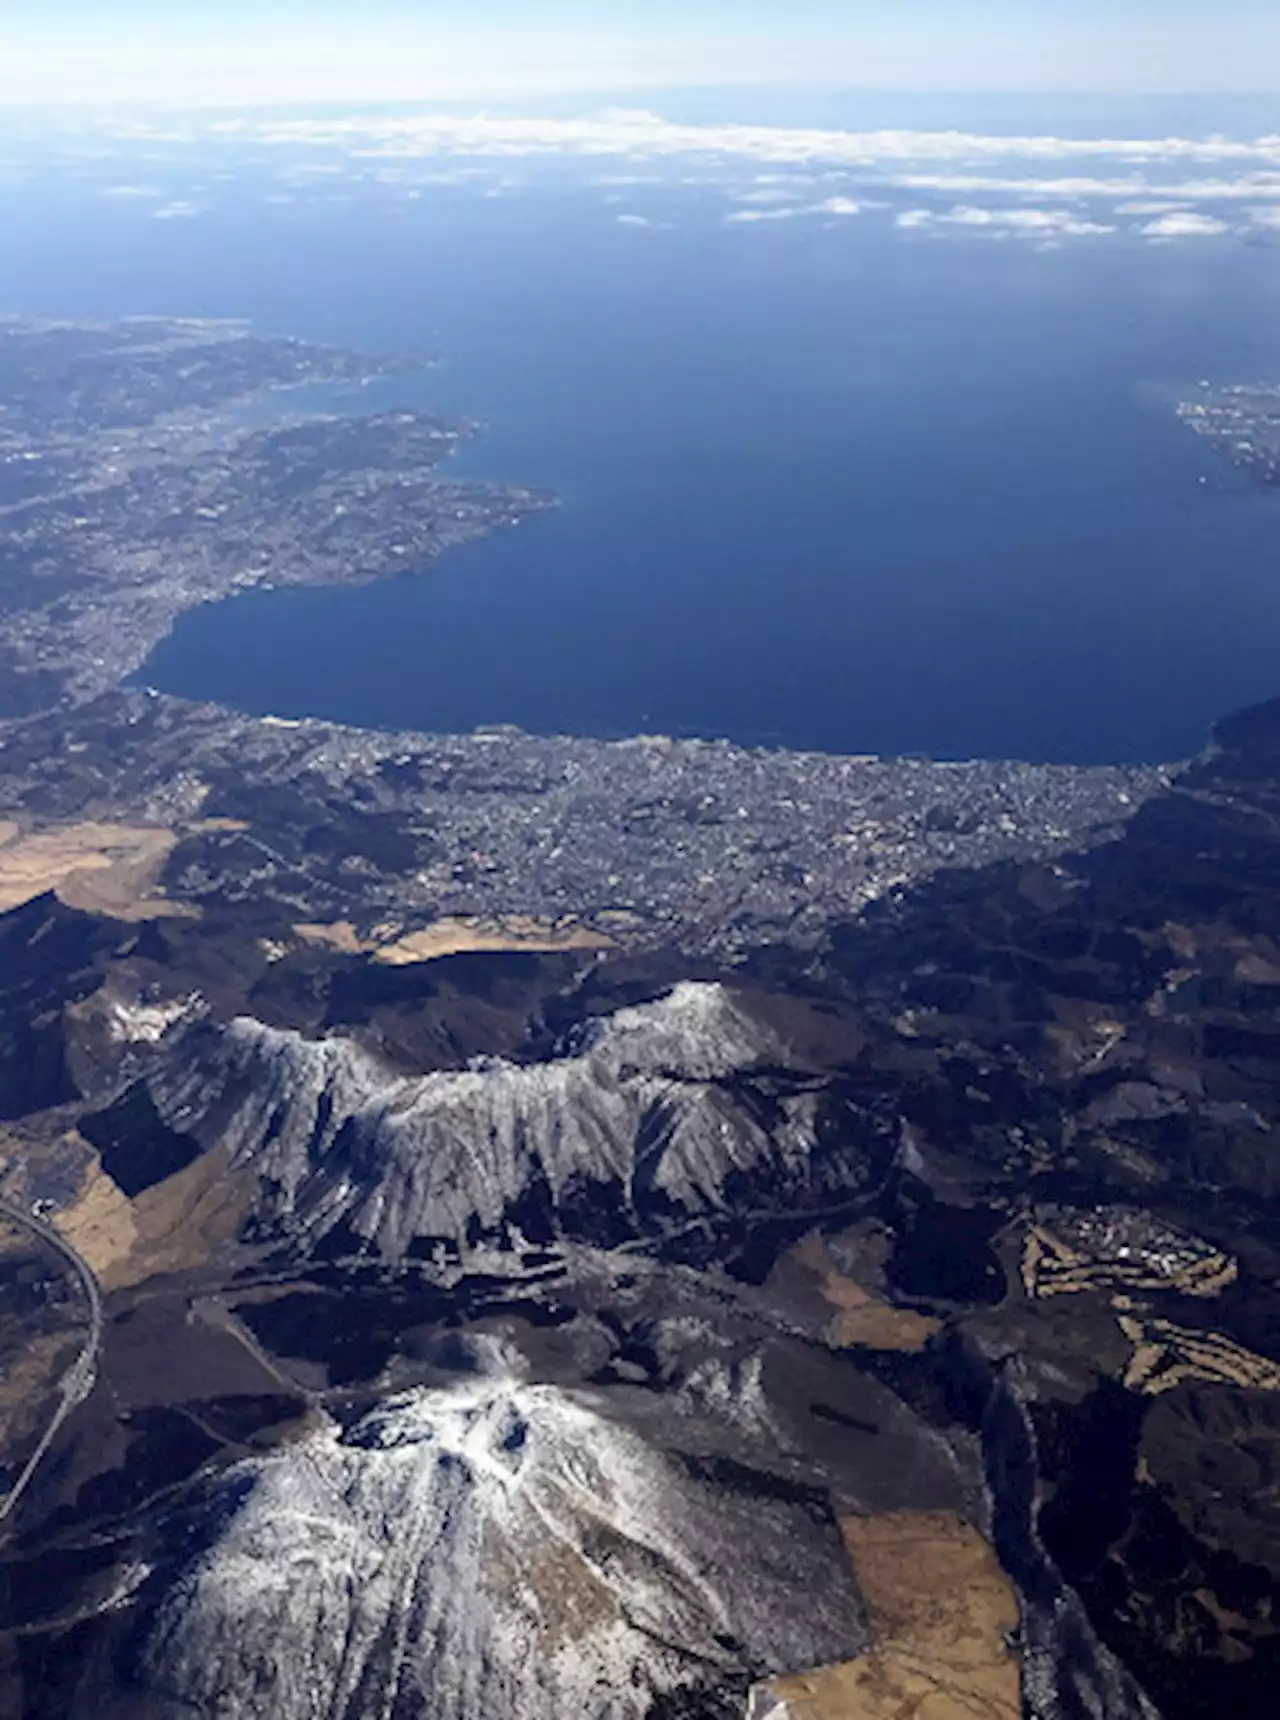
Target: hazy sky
[298,50]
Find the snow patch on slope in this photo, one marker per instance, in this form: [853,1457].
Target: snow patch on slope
[492,1549]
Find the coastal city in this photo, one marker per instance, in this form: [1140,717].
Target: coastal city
[132,489]
[699,844]
[1242,424]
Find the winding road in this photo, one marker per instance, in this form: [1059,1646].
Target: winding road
[78,1380]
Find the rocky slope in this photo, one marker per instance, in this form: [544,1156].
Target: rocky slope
[637,1123]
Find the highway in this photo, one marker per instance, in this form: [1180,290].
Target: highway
[78,1380]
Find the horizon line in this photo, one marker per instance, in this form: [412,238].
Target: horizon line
[605,92]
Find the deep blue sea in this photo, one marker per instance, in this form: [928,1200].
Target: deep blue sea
[821,487]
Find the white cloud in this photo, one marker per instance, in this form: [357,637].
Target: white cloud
[743,216]
[133,191]
[1077,187]
[177,211]
[1041,187]
[1269,218]
[1187,225]
[843,206]
[777,193]
[1033,223]
[304,170]
[633,221]
[966,166]
[1074,187]
[1152,206]
[647,135]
